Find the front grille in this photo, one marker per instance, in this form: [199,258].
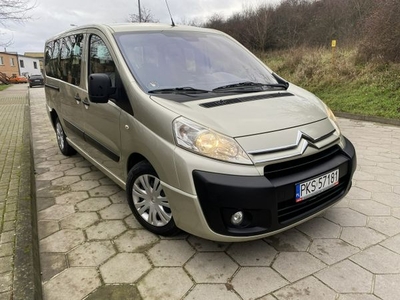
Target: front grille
[297,165]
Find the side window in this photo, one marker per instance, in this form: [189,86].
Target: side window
[100,60]
[63,58]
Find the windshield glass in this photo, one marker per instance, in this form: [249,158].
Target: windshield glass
[188,59]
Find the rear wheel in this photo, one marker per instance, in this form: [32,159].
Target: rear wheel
[148,201]
[62,142]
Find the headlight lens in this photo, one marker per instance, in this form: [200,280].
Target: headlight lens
[196,138]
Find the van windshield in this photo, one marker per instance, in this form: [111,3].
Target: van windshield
[191,61]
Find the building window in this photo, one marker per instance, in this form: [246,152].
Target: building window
[21,63]
[12,62]
[35,64]
[1,60]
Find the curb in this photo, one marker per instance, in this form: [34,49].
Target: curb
[381,120]
[27,279]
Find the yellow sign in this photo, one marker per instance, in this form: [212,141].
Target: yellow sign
[333,43]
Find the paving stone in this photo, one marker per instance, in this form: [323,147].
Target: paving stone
[390,166]
[77,171]
[331,251]
[45,165]
[165,283]
[119,197]
[85,185]
[105,191]
[43,203]
[290,240]
[393,243]
[6,264]
[372,260]
[56,212]
[306,289]
[132,222]
[125,268]
[396,189]
[62,241]
[73,283]
[6,249]
[254,282]
[389,199]
[374,186]
[7,237]
[387,286]
[357,297]
[72,198]
[205,245]
[389,179]
[49,176]
[361,175]
[115,211]
[211,292]
[93,204]
[84,163]
[361,237]
[255,253]
[213,267]
[320,228]
[346,277]
[51,264]
[46,228]
[115,292]
[386,225]
[91,254]
[174,253]
[106,181]
[65,180]
[370,208]
[79,220]
[72,160]
[357,193]
[345,217]
[5,281]
[61,167]
[136,240]
[93,175]
[105,230]
[304,264]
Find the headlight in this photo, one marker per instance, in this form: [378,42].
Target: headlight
[335,124]
[196,138]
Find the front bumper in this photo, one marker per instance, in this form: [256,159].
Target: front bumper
[268,201]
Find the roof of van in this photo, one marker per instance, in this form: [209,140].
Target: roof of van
[126,27]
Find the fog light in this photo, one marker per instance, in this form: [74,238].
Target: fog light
[237,218]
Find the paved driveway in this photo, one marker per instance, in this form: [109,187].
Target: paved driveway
[92,248]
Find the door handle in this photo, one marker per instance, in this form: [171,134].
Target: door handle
[86,102]
[78,98]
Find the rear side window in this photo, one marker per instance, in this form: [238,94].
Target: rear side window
[63,58]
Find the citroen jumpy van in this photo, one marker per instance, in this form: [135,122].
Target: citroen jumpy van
[202,135]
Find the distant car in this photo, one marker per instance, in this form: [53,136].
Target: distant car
[36,80]
[18,79]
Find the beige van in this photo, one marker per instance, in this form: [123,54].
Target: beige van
[202,135]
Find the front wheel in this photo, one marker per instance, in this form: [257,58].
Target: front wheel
[62,142]
[148,201]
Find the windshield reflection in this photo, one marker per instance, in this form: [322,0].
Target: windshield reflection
[203,61]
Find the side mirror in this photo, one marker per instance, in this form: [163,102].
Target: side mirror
[100,88]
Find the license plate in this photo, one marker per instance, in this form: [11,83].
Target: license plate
[316,185]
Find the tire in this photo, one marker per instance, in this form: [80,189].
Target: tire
[65,148]
[152,211]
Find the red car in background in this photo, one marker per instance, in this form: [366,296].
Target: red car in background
[18,79]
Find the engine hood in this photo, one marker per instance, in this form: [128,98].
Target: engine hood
[250,114]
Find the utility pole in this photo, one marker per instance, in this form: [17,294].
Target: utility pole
[140,12]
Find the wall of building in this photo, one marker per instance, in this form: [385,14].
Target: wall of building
[28,65]
[9,64]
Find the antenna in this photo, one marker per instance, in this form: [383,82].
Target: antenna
[172,20]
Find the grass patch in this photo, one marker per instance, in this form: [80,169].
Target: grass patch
[3,87]
[371,89]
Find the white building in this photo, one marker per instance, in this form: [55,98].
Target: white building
[28,65]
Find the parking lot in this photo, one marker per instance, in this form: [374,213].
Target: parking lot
[91,247]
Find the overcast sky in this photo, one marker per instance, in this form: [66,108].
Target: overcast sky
[53,16]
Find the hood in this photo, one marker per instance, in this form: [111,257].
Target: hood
[244,114]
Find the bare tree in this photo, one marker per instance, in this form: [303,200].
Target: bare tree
[15,11]
[145,17]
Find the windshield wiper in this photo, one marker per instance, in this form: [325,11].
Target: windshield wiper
[179,90]
[249,86]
